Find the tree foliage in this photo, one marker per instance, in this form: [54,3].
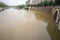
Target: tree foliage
[2,4]
[21,6]
[57,2]
[51,3]
[45,3]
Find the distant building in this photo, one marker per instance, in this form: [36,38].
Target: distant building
[33,1]
[28,2]
[36,1]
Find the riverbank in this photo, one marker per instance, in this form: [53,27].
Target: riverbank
[51,28]
[46,9]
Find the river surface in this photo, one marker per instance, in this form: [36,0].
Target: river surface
[24,25]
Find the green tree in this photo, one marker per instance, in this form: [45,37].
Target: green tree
[21,6]
[45,3]
[2,4]
[57,2]
[50,3]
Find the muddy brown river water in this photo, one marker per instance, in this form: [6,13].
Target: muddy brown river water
[27,25]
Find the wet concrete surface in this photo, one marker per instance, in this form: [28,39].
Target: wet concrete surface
[27,25]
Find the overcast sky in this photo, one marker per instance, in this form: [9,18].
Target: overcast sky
[13,2]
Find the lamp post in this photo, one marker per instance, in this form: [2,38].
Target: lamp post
[30,4]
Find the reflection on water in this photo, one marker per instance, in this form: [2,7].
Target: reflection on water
[24,25]
[51,28]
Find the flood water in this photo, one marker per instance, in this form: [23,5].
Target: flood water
[26,25]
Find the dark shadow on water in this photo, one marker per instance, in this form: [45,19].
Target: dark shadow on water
[52,29]
[4,9]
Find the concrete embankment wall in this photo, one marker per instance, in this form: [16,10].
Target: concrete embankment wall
[51,10]
[47,9]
